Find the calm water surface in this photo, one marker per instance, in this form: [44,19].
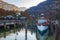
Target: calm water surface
[20,34]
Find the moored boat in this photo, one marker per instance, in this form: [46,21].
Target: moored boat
[42,25]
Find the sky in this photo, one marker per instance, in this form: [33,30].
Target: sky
[24,3]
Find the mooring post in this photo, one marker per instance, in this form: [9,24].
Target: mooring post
[52,24]
[4,35]
[14,25]
[56,31]
[36,30]
[5,25]
[26,30]
[8,27]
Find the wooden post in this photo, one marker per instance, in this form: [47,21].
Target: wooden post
[8,27]
[52,27]
[4,34]
[5,25]
[26,31]
[14,25]
[25,28]
[18,22]
[36,30]
[56,31]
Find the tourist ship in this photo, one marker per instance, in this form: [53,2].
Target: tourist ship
[42,25]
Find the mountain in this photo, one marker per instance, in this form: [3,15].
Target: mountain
[23,8]
[8,9]
[49,8]
[7,6]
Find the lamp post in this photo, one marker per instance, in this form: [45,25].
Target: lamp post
[17,17]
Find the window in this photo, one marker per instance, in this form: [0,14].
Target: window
[41,21]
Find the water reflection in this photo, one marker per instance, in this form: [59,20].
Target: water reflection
[42,37]
[20,34]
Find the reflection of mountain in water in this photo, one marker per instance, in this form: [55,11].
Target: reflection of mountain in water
[20,31]
[32,29]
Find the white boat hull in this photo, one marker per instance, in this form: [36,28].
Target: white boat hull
[42,29]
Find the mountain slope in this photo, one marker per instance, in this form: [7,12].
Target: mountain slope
[49,7]
[7,6]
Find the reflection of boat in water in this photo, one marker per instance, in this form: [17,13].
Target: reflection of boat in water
[42,26]
[40,37]
[42,29]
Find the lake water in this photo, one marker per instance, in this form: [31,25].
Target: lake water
[20,34]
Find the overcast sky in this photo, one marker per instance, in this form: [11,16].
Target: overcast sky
[24,3]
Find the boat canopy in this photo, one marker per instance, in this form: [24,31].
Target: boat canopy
[42,21]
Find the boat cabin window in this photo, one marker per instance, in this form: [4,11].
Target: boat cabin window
[41,21]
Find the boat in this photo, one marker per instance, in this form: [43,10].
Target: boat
[42,25]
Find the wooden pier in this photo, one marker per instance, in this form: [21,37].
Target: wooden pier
[6,23]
